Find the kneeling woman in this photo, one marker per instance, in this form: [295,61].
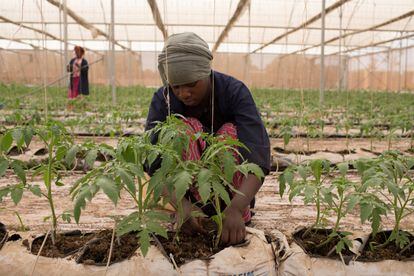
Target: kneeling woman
[216,103]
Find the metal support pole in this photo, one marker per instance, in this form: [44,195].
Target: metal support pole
[340,51]
[129,57]
[112,55]
[406,67]
[65,39]
[400,66]
[322,81]
[388,69]
[345,73]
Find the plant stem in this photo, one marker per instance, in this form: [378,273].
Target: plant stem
[220,220]
[318,207]
[339,212]
[22,226]
[140,195]
[49,190]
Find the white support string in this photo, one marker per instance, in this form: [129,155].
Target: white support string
[212,101]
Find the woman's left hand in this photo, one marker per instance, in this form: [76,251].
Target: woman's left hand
[234,229]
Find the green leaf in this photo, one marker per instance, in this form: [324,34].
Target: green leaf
[302,172]
[109,188]
[27,135]
[166,163]
[340,246]
[16,194]
[19,171]
[156,228]
[376,220]
[35,189]
[353,200]
[393,188]
[316,166]
[127,179]
[80,201]
[6,141]
[151,158]
[154,215]
[181,183]
[128,154]
[4,192]
[66,217]
[343,168]
[295,191]
[71,155]
[219,188]
[204,186]
[228,166]
[282,184]
[59,184]
[289,177]
[246,168]
[91,157]
[144,241]
[60,152]
[366,211]
[4,164]
[309,192]
[136,170]
[18,137]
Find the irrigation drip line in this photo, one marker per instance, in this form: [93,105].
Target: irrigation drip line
[59,79]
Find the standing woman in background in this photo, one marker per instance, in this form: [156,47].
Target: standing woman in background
[78,68]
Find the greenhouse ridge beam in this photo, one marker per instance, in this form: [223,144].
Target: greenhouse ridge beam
[157,18]
[7,20]
[303,25]
[151,41]
[20,41]
[392,20]
[86,24]
[383,51]
[17,52]
[237,13]
[30,44]
[212,25]
[374,44]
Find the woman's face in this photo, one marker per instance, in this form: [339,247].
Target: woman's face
[192,94]
[77,53]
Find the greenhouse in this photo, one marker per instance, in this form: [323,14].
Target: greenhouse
[207,137]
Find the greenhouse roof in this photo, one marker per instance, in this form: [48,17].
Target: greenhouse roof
[269,26]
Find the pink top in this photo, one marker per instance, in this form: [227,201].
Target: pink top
[76,69]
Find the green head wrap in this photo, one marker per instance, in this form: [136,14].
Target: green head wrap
[188,58]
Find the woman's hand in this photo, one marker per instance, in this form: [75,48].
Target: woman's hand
[191,224]
[234,229]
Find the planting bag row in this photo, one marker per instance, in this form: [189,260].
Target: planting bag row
[255,258]
[292,260]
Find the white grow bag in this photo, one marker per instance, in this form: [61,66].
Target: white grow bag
[292,260]
[256,258]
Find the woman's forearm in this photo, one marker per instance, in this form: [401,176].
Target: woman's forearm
[249,188]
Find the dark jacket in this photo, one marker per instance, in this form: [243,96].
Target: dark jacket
[233,103]
[84,82]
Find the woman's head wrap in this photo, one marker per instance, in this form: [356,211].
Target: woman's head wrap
[188,58]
